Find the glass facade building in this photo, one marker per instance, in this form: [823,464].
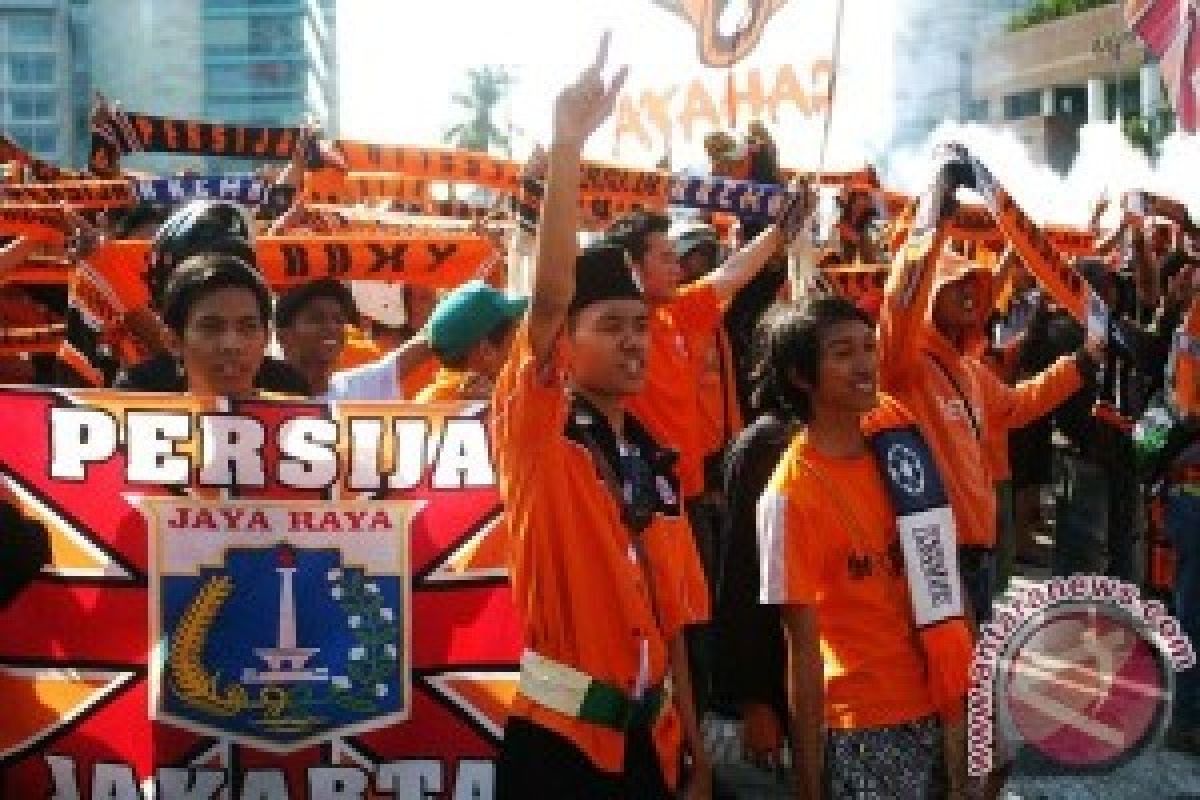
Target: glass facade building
[35,77]
[264,62]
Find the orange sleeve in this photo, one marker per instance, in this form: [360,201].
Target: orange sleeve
[902,315]
[697,309]
[1010,407]
[680,591]
[528,401]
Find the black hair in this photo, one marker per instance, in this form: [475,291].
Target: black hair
[631,232]
[201,226]
[200,275]
[788,346]
[124,222]
[294,300]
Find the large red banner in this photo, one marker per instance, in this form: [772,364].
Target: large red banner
[253,600]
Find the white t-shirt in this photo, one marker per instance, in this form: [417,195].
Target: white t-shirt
[376,380]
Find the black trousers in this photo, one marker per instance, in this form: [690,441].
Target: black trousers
[536,763]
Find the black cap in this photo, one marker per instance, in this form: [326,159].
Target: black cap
[602,273]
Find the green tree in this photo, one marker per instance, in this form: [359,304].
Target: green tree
[1041,11]
[488,87]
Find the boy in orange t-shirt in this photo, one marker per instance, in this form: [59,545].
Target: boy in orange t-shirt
[865,701]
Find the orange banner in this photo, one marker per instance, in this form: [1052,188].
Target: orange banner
[435,259]
[42,223]
[93,195]
[334,187]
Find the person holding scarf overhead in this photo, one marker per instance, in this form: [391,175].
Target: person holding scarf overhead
[932,328]
[857,547]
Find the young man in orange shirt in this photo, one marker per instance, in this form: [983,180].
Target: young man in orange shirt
[931,336]
[683,323]
[603,569]
[856,544]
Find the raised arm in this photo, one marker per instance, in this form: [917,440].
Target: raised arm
[741,267]
[910,282]
[578,112]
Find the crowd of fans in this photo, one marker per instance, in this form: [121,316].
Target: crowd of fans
[687,438]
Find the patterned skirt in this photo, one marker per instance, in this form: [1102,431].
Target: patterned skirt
[901,761]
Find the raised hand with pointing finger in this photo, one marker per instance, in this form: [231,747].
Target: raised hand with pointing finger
[584,105]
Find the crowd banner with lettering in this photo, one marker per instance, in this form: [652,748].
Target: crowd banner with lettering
[336,187]
[1061,281]
[116,133]
[974,223]
[247,191]
[92,195]
[38,222]
[28,327]
[436,259]
[253,600]
[858,282]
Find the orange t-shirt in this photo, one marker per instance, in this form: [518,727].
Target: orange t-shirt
[669,405]
[579,589]
[359,350]
[873,663]
[450,385]
[419,377]
[1184,381]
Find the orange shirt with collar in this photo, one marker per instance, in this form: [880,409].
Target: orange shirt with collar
[681,331]
[577,584]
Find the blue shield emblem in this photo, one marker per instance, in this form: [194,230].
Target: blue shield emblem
[280,624]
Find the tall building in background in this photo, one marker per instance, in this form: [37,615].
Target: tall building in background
[1046,81]
[263,62]
[35,77]
[269,62]
[937,46]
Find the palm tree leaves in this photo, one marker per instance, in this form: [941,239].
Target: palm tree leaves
[487,86]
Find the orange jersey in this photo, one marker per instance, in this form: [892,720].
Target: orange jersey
[874,668]
[669,405]
[577,582]
[359,350]
[450,385]
[419,377]
[959,403]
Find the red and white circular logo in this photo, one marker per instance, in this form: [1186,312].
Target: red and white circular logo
[1085,686]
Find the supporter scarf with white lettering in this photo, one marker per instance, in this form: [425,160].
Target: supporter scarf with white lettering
[116,133]
[929,543]
[246,191]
